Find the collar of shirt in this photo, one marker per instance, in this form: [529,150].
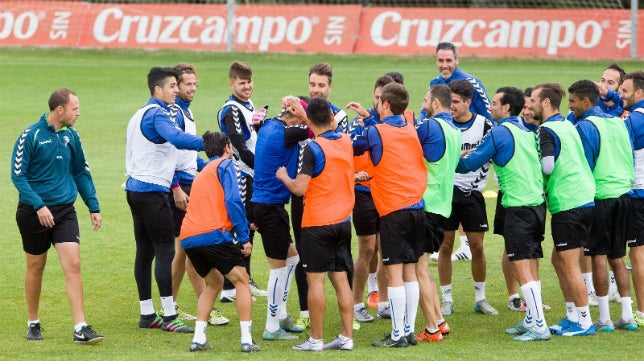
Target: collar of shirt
[159,102]
[457,74]
[247,104]
[446,116]
[395,120]
[639,104]
[595,111]
[511,119]
[182,104]
[554,118]
[330,134]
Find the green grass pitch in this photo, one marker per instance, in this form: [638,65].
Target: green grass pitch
[112,85]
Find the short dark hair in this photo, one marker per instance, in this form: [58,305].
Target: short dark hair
[442,93]
[184,68]
[619,69]
[445,45]
[397,77]
[240,70]
[585,89]
[462,87]
[60,97]
[638,79]
[552,91]
[513,97]
[397,97]
[382,81]
[528,92]
[322,69]
[159,75]
[214,143]
[319,112]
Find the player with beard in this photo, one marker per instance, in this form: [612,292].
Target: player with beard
[236,120]
[570,192]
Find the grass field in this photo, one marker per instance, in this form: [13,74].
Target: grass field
[112,85]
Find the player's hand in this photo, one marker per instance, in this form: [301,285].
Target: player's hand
[467,152]
[97,220]
[253,227]
[361,176]
[362,112]
[603,91]
[293,106]
[281,174]
[45,217]
[180,198]
[246,249]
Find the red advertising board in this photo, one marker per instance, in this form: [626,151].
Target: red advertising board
[579,33]
[343,29]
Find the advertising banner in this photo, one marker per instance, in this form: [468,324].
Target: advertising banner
[338,29]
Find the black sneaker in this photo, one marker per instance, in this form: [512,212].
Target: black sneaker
[150,321]
[175,324]
[87,335]
[411,339]
[388,342]
[34,332]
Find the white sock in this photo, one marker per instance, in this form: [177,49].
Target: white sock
[583,313]
[291,262]
[168,306]
[627,308]
[640,314]
[305,314]
[29,323]
[479,291]
[147,307]
[276,282]
[78,326]
[513,296]
[358,306]
[604,310]
[382,305]
[532,296]
[200,332]
[571,312]
[612,285]
[397,303]
[412,295]
[588,281]
[344,338]
[372,283]
[246,337]
[464,241]
[447,293]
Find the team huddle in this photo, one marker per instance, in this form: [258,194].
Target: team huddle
[199,217]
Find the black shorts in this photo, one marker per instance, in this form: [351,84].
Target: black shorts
[297,211]
[37,239]
[608,232]
[571,228]
[366,220]
[524,232]
[499,215]
[272,221]
[402,234]
[635,235]
[468,209]
[434,232]
[178,214]
[222,257]
[151,216]
[327,248]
